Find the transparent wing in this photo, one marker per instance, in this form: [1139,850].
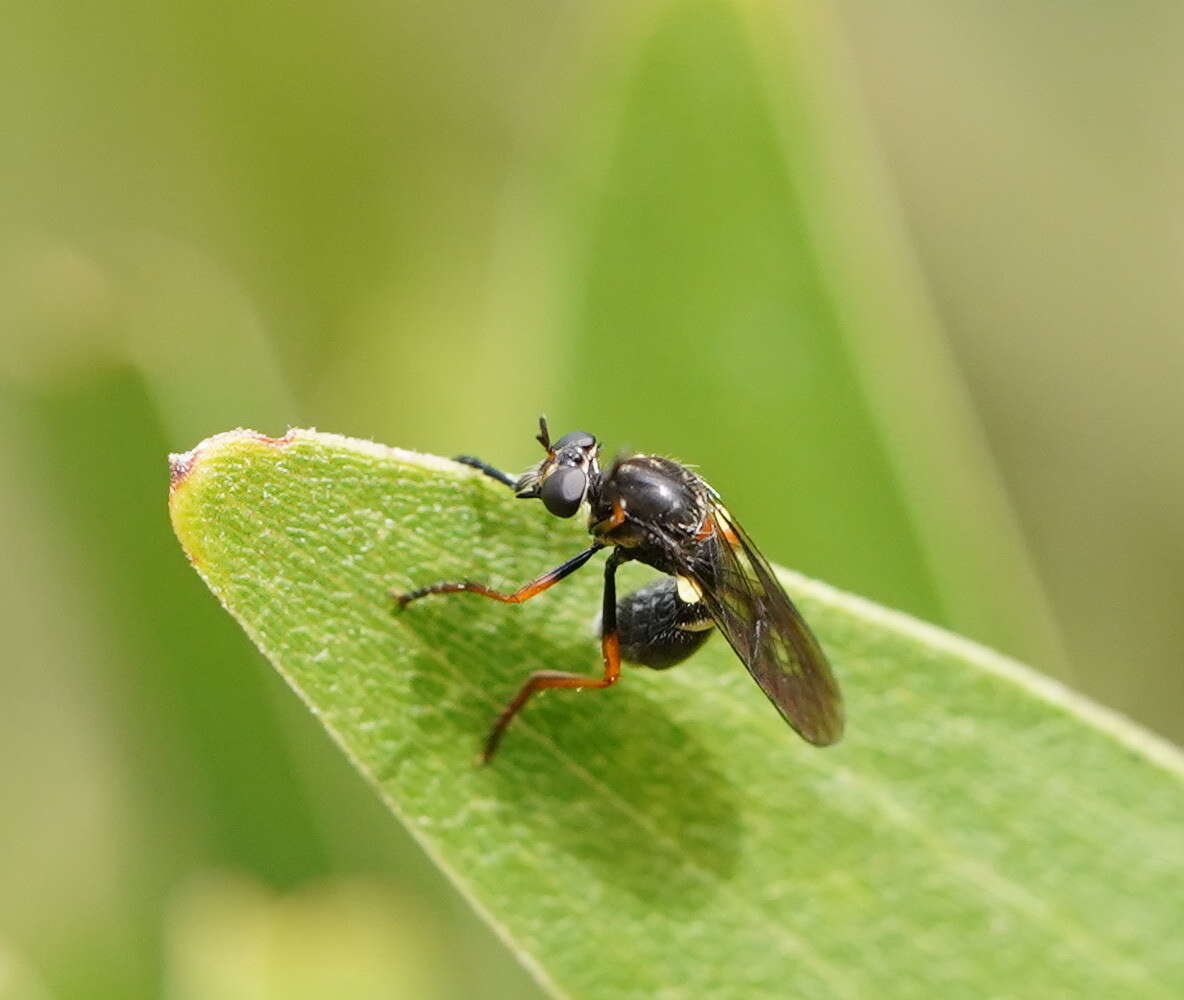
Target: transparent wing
[741,592]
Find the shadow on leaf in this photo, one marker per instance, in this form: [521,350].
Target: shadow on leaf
[609,776]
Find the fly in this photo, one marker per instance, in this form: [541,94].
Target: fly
[658,512]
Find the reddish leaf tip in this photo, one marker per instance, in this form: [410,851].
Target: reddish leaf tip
[181,464]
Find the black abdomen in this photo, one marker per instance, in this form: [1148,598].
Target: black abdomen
[657,628]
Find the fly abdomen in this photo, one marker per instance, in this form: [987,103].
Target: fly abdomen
[657,628]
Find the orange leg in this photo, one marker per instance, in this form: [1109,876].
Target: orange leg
[525,593]
[541,680]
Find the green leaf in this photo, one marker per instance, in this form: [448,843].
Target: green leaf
[980,831]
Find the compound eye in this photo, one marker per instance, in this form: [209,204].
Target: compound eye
[563,490]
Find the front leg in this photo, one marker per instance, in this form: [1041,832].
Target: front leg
[541,680]
[502,477]
[524,593]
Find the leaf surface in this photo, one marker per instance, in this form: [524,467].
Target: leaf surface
[979,831]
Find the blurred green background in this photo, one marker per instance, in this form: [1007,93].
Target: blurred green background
[903,281]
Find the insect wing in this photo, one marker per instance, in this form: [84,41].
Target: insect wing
[768,634]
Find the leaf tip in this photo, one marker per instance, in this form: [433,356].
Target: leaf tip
[182,463]
[185,466]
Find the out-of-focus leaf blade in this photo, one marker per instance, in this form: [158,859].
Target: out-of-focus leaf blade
[980,831]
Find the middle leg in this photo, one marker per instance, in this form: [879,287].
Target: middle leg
[523,593]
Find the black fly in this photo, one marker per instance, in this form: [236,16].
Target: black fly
[662,514]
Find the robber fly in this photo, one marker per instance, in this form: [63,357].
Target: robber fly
[662,514]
